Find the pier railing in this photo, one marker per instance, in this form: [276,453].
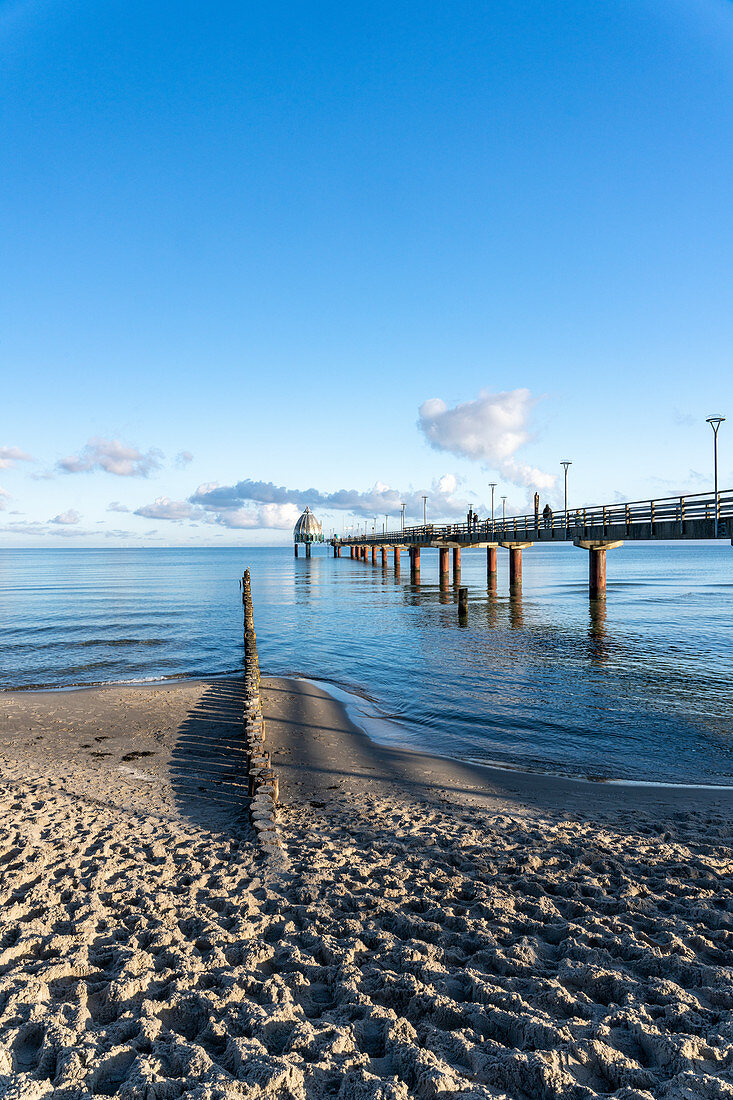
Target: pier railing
[692,516]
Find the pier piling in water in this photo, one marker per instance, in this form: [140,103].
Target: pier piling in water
[415,565]
[462,603]
[597,565]
[491,565]
[515,561]
[456,564]
[444,553]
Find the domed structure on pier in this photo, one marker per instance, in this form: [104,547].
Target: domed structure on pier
[308,529]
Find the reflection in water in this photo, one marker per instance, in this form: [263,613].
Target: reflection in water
[597,647]
[491,608]
[516,610]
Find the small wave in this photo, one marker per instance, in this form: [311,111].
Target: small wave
[224,674]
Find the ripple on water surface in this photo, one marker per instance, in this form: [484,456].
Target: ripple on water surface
[636,688]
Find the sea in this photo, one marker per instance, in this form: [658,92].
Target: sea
[636,688]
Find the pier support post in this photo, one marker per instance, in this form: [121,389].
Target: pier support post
[351,548]
[462,603]
[384,557]
[363,553]
[515,561]
[396,562]
[596,565]
[374,555]
[415,564]
[443,567]
[296,549]
[307,549]
[491,565]
[456,564]
[335,551]
[597,574]
[515,567]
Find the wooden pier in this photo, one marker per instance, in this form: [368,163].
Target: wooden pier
[696,517]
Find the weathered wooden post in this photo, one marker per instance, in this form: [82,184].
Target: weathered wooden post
[396,561]
[462,603]
[384,557]
[374,555]
[296,549]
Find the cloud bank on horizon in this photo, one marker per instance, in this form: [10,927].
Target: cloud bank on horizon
[278,506]
[489,430]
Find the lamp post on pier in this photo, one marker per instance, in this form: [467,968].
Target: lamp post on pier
[403,505]
[503,513]
[425,511]
[493,486]
[715,422]
[565,463]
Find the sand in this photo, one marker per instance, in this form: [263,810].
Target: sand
[436,929]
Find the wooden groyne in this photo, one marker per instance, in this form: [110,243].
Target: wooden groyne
[263,784]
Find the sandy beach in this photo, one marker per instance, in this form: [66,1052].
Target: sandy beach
[435,929]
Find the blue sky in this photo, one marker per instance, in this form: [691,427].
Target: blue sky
[243,245]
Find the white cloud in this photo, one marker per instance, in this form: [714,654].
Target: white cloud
[115,506]
[174,510]
[10,455]
[183,458]
[4,498]
[65,518]
[489,430]
[114,457]
[274,516]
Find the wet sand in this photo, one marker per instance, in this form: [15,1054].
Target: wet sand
[438,929]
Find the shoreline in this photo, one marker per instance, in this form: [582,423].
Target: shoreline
[372,725]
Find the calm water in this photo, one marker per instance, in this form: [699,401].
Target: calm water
[639,689]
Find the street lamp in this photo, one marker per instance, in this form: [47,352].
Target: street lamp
[493,486]
[403,515]
[565,463]
[386,523]
[503,511]
[425,510]
[715,422]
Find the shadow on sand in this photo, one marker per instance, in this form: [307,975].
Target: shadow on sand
[209,762]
